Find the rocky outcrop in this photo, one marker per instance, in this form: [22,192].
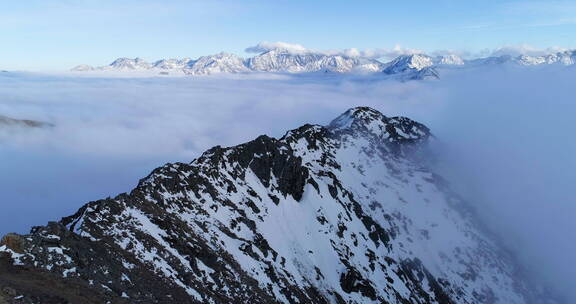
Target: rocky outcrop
[21,284]
[13,242]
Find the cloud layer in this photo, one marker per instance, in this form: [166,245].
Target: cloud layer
[505,132]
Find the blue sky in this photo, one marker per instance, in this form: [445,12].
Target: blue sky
[58,34]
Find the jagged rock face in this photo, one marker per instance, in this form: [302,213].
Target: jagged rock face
[130,64]
[338,214]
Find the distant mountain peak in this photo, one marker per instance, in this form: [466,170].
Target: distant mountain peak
[413,62]
[412,67]
[365,121]
[83,68]
[130,64]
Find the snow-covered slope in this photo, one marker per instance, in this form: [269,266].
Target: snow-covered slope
[214,64]
[280,60]
[344,213]
[412,67]
[414,62]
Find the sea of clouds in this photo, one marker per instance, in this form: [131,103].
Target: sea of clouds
[507,140]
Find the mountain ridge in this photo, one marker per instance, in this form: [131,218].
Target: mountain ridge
[280,60]
[343,213]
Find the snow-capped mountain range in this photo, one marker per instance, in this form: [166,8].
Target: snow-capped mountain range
[343,213]
[278,60]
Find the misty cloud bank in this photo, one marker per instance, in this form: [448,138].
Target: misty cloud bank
[506,133]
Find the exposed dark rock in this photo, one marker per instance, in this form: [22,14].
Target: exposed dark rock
[352,281]
[26,123]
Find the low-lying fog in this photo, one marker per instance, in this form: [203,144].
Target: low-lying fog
[507,134]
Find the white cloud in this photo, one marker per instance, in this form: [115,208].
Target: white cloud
[385,53]
[110,132]
[376,53]
[524,49]
[268,46]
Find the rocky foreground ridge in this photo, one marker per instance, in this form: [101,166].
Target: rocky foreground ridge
[344,213]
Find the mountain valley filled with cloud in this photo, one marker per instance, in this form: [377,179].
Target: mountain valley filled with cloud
[156,152]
